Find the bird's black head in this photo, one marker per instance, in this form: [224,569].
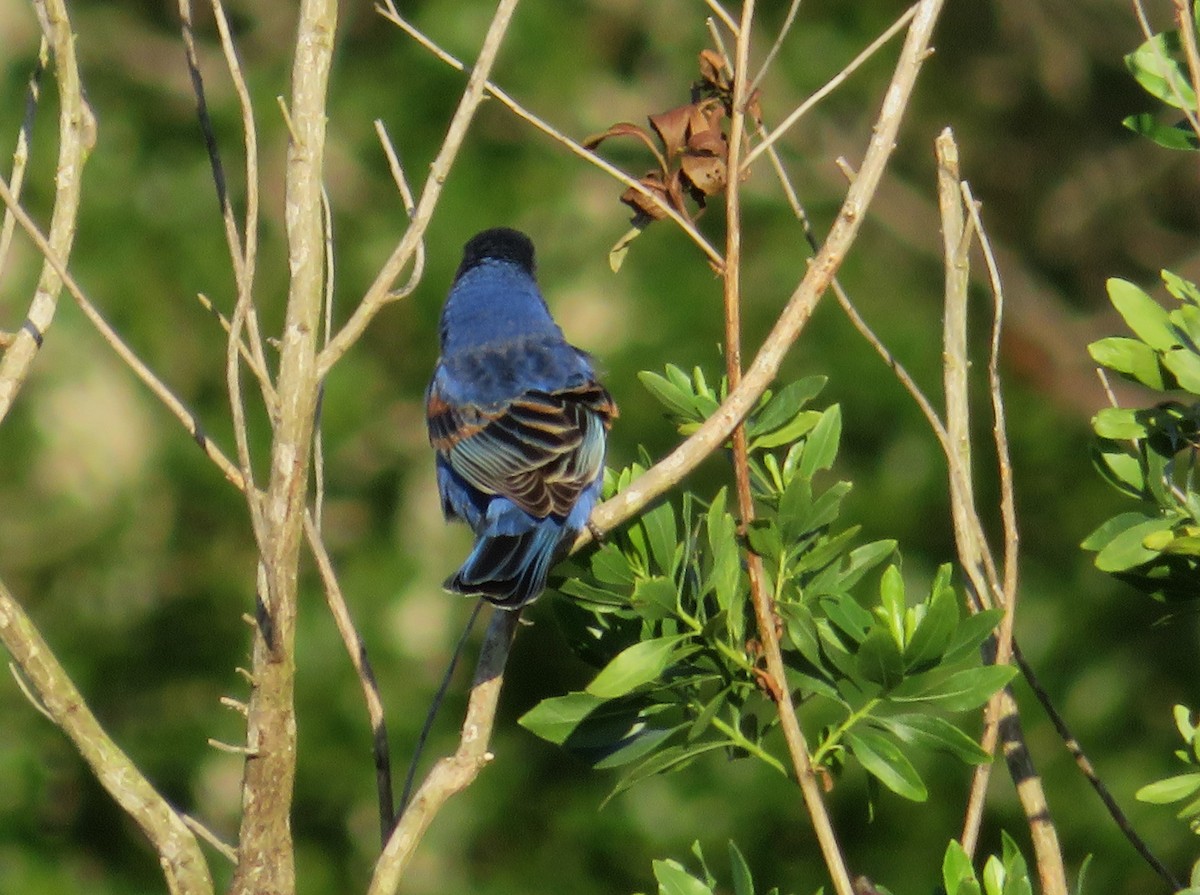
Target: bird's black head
[498,244]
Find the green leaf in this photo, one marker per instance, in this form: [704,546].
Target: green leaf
[1118,423]
[635,746]
[1169,136]
[957,870]
[1120,468]
[597,599]
[1158,66]
[891,599]
[821,446]
[785,404]
[1185,365]
[1142,314]
[679,401]
[957,692]
[722,543]
[843,610]
[1016,873]
[932,637]
[993,876]
[1184,290]
[674,880]
[1126,549]
[634,666]
[884,761]
[878,658]
[1129,357]
[610,566]
[743,883]
[971,632]
[1172,789]
[554,719]
[791,431]
[932,732]
[662,536]
[655,598]
[661,762]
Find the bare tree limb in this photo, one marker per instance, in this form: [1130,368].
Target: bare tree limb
[764,608]
[455,773]
[76,136]
[182,861]
[716,430]
[266,861]
[380,292]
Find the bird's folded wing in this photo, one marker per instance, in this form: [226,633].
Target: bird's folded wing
[539,450]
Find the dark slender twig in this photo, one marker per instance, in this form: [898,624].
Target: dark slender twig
[438,697]
[1089,771]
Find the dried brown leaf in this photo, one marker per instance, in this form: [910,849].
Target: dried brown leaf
[672,127]
[626,129]
[643,204]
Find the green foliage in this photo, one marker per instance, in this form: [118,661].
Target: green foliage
[1181,787]
[663,612]
[1149,454]
[674,879]
[1004,875]
[1160,67]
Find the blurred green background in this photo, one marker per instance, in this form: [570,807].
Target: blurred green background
[137,561]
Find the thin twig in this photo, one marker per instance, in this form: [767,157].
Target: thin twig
[182,861]
[1002,717]
[76,136]
[410,208]
[388,11]
[455,773]
[716,430]
[1089,771]
[726,19]
[16,176]
[250,225]
[764,609]
[832,84]
[140,369]
[784,29]
[226,850]
[357,650]
[380,292]
[434,705]
[1187,32]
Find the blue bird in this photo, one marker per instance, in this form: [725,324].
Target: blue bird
[518,421]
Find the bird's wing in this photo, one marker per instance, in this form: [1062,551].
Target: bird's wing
[539,450]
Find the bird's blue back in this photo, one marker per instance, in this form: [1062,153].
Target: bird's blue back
[518,421]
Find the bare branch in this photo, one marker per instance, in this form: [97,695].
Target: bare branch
[21,154]
[190,422]
[76,136]
[832,84]
[182,861]
[389,12]
[764,609]
[714,431]
[357,650]
[455,773]
[266,860]
[380,292]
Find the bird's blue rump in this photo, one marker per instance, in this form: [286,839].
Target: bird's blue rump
[518,421]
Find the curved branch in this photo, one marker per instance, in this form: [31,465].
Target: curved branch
[182,861]
[716,429]
[453,774]
[77,135]
[380,291]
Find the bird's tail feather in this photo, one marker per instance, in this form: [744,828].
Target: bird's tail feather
[510,570]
